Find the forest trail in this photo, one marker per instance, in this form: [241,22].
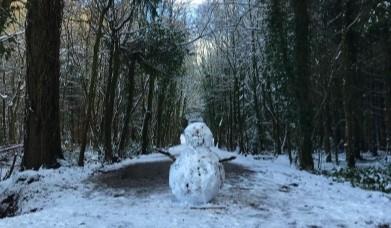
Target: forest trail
[151,177]
[258,192]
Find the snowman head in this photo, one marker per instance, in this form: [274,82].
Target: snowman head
[198,135]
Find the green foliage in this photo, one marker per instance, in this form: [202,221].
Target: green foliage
[278,53]
[377,179]
[164,50]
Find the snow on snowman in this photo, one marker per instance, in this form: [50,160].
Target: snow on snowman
[197,174]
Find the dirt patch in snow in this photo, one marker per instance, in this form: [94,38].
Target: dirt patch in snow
[145,178]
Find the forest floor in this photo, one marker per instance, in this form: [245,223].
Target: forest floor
[258,192]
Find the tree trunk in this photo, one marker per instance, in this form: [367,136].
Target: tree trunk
[289,145]
[130,89]
[255,75]
[92,87]
[11,124]
[159,110]
[42,142]
[302,84]
[231,124]
[277,136]
[148,116]
[110,97]
[327,133]
[349,67]
[337,139]
[3,139]
[257,110]
[372,136]
[387,100]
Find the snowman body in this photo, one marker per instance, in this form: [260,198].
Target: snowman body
[196,176]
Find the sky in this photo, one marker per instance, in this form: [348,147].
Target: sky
[196,2]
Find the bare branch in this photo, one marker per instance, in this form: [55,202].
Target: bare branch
[227,159]
[166,153]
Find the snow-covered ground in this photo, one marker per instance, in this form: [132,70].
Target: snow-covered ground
[271,194]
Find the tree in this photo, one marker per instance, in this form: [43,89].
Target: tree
[148,115]
[42,142]
[124,138]
[115,26]
[93,81]
[165,56]
[302,86]
[349,73]
[278,71]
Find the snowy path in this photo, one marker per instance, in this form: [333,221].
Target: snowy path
[272,195]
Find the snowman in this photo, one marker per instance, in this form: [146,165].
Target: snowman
[197,174]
